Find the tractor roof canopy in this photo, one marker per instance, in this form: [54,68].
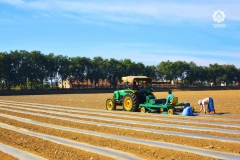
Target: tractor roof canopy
[131,79]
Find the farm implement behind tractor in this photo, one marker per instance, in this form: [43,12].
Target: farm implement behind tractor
[141,99]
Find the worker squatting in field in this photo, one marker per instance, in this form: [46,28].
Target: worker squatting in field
[187,110]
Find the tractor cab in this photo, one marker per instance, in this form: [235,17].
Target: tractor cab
[143,82]
[144,86]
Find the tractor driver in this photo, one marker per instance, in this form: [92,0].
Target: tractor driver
[170,96]
[135,86]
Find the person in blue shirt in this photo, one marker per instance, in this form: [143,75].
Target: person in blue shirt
[187,110]
[170,96]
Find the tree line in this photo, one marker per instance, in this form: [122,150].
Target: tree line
[23,68]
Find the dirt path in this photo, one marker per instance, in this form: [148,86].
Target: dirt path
[27,122]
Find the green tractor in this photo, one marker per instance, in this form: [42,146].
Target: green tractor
[141,99]
[130,98]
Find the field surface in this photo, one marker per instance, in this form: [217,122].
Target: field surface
[78,126]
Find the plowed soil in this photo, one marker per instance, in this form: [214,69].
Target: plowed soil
[83,118]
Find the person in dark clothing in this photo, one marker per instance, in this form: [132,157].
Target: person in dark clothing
[135,86]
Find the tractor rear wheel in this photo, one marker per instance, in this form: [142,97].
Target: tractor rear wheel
[110,104]
[130,102]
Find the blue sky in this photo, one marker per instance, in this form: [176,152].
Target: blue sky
[147,31]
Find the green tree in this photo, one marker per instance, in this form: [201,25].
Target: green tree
[114,71]
[230,73]
[63,64]
[96,70]
[167,70]
[151,71]
[16,58]
[9,71]
[192,73]
[3,69]
[215,71]
[36,69]
[181,69]
[41,70]
[23,68]
[76,70]
[86,63]
[128,67]
[51,67]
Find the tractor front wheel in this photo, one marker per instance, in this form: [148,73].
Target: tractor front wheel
[110,104]
[130,102]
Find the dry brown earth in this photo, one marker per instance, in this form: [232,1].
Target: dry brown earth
[226,105]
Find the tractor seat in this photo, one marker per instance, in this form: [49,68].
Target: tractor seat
[174,100]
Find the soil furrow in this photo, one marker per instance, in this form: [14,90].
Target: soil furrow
[19,154]
[44,148]
[5,156]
